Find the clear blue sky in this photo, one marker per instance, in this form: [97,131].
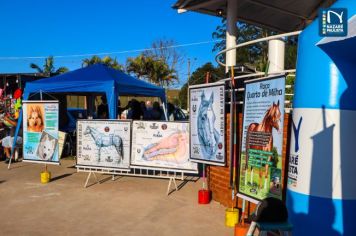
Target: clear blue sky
[67,27]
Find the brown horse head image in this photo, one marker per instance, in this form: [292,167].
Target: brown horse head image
[272,118]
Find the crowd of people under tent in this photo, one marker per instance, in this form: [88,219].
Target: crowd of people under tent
[136,110]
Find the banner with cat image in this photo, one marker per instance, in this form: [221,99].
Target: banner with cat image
[161,145]
[104,143]
[207,123]
[40,131]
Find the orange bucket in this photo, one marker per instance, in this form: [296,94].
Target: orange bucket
[241,229]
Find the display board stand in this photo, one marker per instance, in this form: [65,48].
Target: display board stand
[14,149]
[246,198]
[261,148]
[172,179]
[93,171]
[139,171]
[14,155]
[96,179]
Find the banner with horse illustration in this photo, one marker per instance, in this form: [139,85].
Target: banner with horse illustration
[161,145]
[207,123]
[104,143]
[40,131]
[261,168]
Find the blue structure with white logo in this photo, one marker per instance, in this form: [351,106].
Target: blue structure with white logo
[321,195]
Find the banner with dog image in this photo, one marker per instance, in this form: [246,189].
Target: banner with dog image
[207,123]
[162,145]
[104,143]
[40,131]
[261,168]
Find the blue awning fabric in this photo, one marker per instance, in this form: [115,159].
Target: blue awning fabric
[97,78]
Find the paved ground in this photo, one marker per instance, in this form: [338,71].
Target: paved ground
[126,206]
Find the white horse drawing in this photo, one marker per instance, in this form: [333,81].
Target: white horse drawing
[207,133]
[102,140]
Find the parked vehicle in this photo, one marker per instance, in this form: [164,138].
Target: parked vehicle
[179,114]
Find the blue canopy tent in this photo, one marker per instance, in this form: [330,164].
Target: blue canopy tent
[95,79]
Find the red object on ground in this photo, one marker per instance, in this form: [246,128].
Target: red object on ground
[204,196]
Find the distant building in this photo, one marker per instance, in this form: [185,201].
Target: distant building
[173,96]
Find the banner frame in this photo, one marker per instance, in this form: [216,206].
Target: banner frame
[43,162]
[203,161]
[247,82]
[23,120]
[103,167]
[152,167]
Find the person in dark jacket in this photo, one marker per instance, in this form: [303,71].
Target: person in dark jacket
[103,109]
[156,112]
[271,210]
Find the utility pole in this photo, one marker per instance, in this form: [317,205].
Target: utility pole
[188,70]
[188,85]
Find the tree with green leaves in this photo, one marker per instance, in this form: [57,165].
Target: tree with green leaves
[164,50]
[108,61]
[139,66]
[291,53]
[48,68]
[152,69]
[160,73]
[199,77]
[256,54]
[158,65]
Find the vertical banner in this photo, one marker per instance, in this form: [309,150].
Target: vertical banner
[104,143]
[40,131]
[207,123]
[61,141]
[161,145]
[260,172]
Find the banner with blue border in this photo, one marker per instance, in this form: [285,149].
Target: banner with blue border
[40,131]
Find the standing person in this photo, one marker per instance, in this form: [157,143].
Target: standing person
[7,143]
[170,111]
[147,115]
[119,109]
[148,105]
[103,109]
[143,110]
[125,111]
[134,112]
[156,113]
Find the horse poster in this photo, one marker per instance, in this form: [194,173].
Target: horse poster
[103,144]
[161,145]
[40,132]
[207,123]
[261,169]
